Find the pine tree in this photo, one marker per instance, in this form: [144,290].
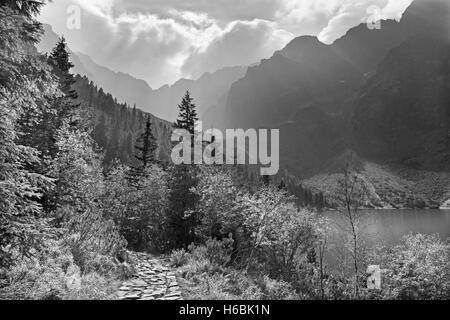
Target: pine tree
[26,86]
[145,152]
[27,8]
[182,218]
[60,60]
[146,147]
[67,106]
[187,116]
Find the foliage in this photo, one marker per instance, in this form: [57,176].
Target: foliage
[182,217]
[417,269]
[117,126]
[188,115]
[217,194]
[145,153]
[138,209]
[281,235]
[28,8]
[25,84]
[178,258]
[206,275]
[53,275]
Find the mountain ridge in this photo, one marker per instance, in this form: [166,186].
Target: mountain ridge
[161,102]
[395,113]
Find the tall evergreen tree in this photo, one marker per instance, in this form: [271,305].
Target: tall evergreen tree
[187,116]
[145,152]
[66,106]
[60,60]
[26,86]
[182,218]
[27,8]
[146,146]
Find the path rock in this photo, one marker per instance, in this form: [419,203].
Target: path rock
[151,281]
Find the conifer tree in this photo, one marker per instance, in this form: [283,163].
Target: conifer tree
[187,116]
[27,8]
[25,83]
[145,152]
[182,219]
[67,106]
[60,60]
[146,147]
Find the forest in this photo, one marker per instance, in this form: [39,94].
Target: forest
[84,181]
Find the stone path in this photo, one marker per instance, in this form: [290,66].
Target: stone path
[152,281]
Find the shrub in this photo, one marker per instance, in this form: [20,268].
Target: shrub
[178,258]
[276,290]
[419,268]
[39,278]
[95,287]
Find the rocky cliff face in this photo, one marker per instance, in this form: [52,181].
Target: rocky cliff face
[305,73]
[402,113]
[383,93]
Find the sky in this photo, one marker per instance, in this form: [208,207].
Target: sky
[162,41]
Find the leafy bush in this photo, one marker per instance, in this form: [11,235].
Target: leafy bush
[138,209]
[53,275]
[216,252]
[95,287]
[417,269]
[178,258]
[276,290]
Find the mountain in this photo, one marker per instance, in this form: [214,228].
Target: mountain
[402,114]
[207,90]
[308,74]
[382,94]
[116,126]
[123,87]
[163,102]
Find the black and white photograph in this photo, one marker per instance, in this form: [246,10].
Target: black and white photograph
[199,152]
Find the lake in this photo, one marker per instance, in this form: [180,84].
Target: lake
[387,227]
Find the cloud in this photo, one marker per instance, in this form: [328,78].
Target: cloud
[241,43]
[354,12]
[163,40]
[224,11]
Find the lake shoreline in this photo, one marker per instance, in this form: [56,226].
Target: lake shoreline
[390,226]
[388,209]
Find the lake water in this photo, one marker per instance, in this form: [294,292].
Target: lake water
[387,227]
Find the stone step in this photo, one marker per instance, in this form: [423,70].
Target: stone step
[152,281]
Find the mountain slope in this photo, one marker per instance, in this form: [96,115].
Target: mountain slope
[116,126]
[294,78]
[163,102]
[337,79]
[403,113]
[207,90]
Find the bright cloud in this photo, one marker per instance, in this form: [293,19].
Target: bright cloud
[163,40]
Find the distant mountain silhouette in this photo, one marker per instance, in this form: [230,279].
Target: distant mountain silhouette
[207,91]
[163,102]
